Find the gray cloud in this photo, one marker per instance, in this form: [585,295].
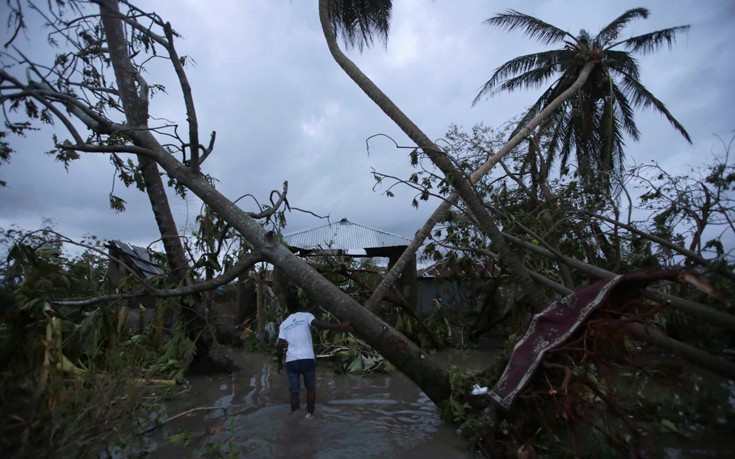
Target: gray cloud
[283,110]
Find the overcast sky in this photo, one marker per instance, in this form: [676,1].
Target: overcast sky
[284,111]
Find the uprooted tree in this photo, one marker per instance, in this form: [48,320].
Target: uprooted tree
[98,91]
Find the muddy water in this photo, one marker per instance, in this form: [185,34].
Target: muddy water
[246,414]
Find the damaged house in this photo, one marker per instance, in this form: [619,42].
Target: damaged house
[127,259]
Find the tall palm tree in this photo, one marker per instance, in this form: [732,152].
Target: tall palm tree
[595,120]
[331,27]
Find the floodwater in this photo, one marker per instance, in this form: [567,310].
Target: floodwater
[247,414]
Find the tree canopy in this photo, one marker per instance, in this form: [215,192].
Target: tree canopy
[594,122]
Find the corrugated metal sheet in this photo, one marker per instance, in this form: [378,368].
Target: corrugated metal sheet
[344,235]
[141,258]
[444,270]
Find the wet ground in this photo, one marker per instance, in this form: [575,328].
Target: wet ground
[247,414]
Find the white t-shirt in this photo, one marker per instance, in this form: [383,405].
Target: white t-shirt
[295,330]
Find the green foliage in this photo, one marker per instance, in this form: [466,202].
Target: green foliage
[559,217]
[182,438]
[599,395]
[348,353]
[49,409]
[71,376]
[63,153]
[593,122]
[359,23]
[356,357]
[457,409]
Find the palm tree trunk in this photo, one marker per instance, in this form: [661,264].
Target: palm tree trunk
[390,278]
[680,304]
[462,185]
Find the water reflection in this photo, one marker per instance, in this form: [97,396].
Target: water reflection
[246,414]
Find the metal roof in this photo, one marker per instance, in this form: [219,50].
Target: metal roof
[140,257]
[443,269]
[344,235]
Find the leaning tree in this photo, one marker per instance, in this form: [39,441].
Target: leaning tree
[115,110]
[583,65]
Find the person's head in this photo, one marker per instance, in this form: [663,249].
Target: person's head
[293,306]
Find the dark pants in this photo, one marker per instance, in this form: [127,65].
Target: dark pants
[298,368]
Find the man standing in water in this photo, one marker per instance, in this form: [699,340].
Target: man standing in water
[294,340]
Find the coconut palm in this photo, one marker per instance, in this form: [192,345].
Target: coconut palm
[332,26]
[595,120]
[360,22]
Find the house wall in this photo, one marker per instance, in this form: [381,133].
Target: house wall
[116,271]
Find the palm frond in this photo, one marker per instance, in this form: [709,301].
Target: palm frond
[522,64]
[527,116]
[558,87]
[560,136]
[611,152]
[532,79]
[360,22]
[567,136]
[642,97]
[625,110]
[531,67]
[650,42]
[611,31]
[621,62]
[535,109]
[531,26]
[584,141]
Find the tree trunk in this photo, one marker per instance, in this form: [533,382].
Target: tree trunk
[461,184]
[406,356]
[134,94]
[698,310]
[691,354]
[260,307]
[246,299]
